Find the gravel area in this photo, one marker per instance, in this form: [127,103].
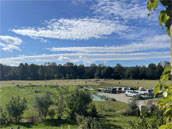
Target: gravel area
[123,98]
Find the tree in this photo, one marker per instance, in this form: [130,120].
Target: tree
[165,16]
[78,102]
[165,19]
[16,107]
[60,102]
[42,104]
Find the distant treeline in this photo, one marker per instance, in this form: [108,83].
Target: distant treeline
[71,71]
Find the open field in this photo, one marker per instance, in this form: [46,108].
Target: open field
[110,111]
[86,82]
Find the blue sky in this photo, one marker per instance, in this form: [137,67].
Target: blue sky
[81,31]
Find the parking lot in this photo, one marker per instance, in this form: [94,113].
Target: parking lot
[123,98]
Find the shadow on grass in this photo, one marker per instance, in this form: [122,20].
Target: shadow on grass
[53,122]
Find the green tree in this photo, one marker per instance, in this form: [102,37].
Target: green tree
[165,16]
[16,107]
[3,117]
[61,102]
[165,19]
[42,104]
[78,102]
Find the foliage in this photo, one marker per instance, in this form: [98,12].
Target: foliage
[60,102]
[133,109]
[166,102]
[71,71]
[42,104]
[164,15]
[88,123]
[92,110]
[78,102]
[16,107]
[3,117]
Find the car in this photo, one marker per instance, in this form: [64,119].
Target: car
[108,90]
[114,90]
[124,89]
[132,93]
[145,91]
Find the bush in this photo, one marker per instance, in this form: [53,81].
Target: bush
[78,102]
[92,111]
[3,117]
[133,109]
[88,123]
[42,104]
[15,108]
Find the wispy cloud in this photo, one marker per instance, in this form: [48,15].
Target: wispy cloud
[84,57]
[151,43]
[10,43]
[121,9]
[74,29]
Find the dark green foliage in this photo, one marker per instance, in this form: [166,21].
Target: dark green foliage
[42,104]
[15,108]
[88,123]
[71,71]
[133,109]
[3,117]
[150,119]
[78,102]
[92,111]
[60,102]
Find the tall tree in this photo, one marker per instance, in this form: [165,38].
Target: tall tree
[165,16]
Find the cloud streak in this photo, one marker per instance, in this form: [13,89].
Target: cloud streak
[10,43]
[151,43]
[74,29]
[84,57]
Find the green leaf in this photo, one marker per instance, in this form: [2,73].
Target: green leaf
[163,127]
[157,89]
[149,5]
[155,4]
[167,69]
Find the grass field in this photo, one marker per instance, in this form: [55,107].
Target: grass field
[111,112]
[86,82]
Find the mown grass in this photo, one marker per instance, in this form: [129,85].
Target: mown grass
[86,82]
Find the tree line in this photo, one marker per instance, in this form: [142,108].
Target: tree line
[71,71]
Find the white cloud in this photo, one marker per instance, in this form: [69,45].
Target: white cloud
[11,40]
[63,58]
[124,9]
[84,57]
[73,29]
[10,43]
[151,43]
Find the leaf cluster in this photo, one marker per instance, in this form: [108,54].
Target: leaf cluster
[164,15]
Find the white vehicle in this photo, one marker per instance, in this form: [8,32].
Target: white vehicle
[132,93]
[145,92]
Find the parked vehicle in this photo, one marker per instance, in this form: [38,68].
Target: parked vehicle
[124,89]
[108,90]
[132,93]
[146,92]
[114,90]
[100,89]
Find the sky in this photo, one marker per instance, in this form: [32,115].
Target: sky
[82,32]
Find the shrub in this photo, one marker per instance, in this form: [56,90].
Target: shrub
[133,109]
[3,117]
[15,108]
[92,111]
[42,104]
[88,123]
[78,102]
